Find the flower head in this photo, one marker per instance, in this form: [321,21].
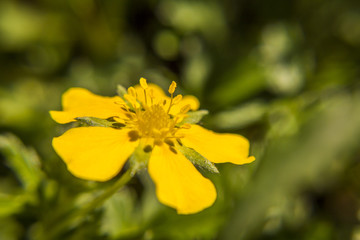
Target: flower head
[145,120]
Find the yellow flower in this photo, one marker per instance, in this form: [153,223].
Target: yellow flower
[156,124]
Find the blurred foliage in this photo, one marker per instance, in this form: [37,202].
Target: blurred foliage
[282,73]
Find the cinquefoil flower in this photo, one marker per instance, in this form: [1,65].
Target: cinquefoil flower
[146,120]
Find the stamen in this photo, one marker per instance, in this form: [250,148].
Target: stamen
[151,118]
[179,141]
[171,91]
[171,100]
[185,109]
[131,100]
[130,115]
[177,99]
[145,96]
[169,142]
[186,126]
[118,119]
[132,92]
[172,87]
[133,135]
[143,83]
[118,125]
[173,150]
[147,148]
[151,94]
[158,142]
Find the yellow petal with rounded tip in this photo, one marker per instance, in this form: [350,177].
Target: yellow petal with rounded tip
[94,153]
[217,147]
[80,102]
[178,183]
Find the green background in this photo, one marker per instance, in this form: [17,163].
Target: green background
[284,74]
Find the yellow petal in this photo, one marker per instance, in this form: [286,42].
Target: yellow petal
[178,183]
[94,153]
[217,147]
[80,102]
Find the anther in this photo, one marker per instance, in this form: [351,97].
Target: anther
[158,142]
[177,99]
[172,87]
[129,115]
[133,135]
[110,119]
[173,150]
[118,125]
[179,141]
[143,83]
[171,91]
[147,148]
[185,108]
[169,142]
[132,92]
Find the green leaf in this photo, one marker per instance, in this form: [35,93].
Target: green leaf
[23,161]
[204,225]
[10,204]
[197,159]
[10,229]
[120,217]
[98,122]
[194,117]
[240,117]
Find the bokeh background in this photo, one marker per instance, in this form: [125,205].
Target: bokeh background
[285,74]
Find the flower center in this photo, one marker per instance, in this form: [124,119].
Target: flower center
[154,122]
[150,115]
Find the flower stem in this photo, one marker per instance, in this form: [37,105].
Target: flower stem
[72,217]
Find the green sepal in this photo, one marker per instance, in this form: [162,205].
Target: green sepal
[140,157]
[98,122]
[121,90]
[197,159]
[194,117]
